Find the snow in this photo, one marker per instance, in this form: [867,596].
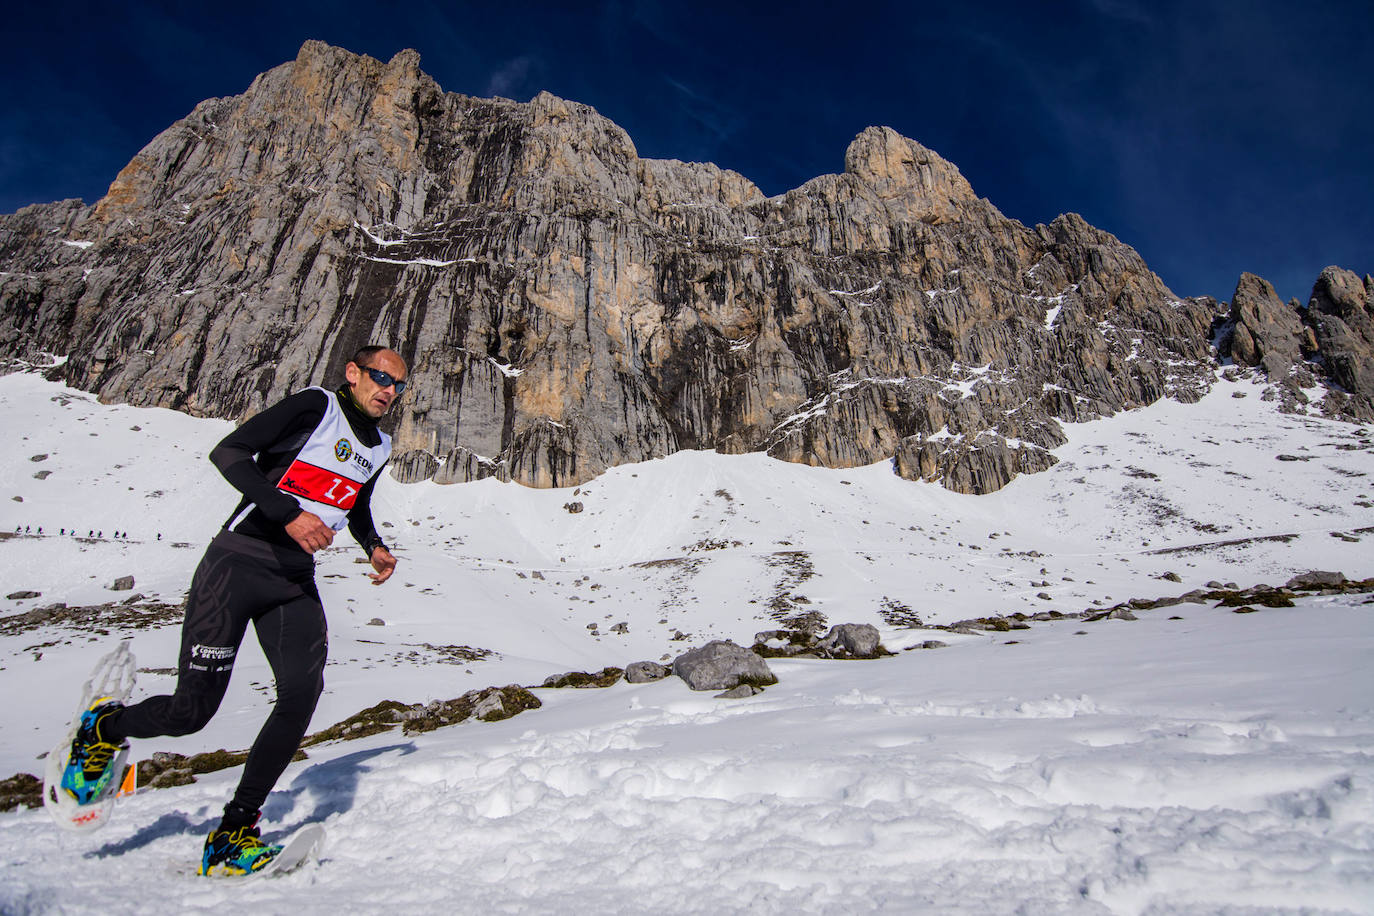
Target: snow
[1051,314]
[377,239]
[1194,760]
[860,292]
[425,262]
[744,343]
[83,245]
[505,368]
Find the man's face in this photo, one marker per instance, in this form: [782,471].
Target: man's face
[371,397]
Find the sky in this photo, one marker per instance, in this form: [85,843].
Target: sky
[1214,136]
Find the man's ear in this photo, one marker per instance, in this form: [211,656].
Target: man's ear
[352,373]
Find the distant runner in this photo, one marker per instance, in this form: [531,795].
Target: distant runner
[306,468]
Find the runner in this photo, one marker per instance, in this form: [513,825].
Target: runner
[306,468]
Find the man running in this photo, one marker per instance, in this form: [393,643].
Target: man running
[306,468]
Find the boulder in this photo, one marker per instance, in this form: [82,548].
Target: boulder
[721,665]
[1315,579]
[489,707]
[644,672]
[851,640]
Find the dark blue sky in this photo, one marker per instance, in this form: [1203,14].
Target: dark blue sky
[1216,137]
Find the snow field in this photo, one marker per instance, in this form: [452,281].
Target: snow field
[1212,763]
[972,779]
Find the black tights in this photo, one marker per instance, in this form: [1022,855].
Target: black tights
[242,579]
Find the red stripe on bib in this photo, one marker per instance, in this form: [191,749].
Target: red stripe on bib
[319,485]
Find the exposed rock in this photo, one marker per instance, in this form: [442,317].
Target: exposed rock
[785,643]
[740,692]
[489,707]
[852,640]
[566,306]
[1330,341]
[996,624]
[721,665]
[384,716]
[22,594]
[21,790]
[164,770]
[605,678]
[100,619]
[1267,332]
[644,672]
[573,507]
[490,704]
[1315,579]
[1342,311]
[1258,594]
[934,644]
[122,584]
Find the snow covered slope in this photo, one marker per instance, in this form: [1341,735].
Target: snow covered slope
[1214,760]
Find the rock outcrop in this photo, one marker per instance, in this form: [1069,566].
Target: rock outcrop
[722,665]
[1268,333]
[1330,341]
[566,306]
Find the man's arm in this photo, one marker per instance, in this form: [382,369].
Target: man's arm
[364,531]
[233,456]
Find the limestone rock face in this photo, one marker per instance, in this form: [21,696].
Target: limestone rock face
[566,306]
[1331,340]
[1267,333]
[1342,312]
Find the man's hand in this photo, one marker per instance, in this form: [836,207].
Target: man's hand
[312,534]
[384,563]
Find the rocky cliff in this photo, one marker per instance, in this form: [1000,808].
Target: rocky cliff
[1328,343]
[567,306]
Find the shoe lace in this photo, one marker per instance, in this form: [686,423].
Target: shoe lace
[246,839]
[98,756]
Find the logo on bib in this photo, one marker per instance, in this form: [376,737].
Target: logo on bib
[343,450]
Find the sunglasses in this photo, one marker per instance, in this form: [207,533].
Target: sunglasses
[384,379]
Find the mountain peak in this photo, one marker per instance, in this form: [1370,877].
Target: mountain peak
[894,165]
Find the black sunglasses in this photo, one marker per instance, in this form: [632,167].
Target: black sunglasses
[384,379]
